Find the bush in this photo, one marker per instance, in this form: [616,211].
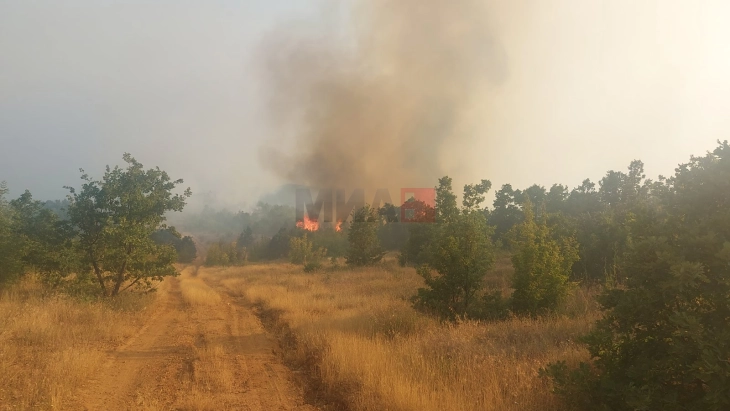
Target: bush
[542,266]
[363,238]
[461,255]
[301,251]
[312,266]
[225,254]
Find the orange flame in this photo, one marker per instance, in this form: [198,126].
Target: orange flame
[338,226]
[307,224]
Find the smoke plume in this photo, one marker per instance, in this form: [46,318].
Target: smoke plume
[378,102]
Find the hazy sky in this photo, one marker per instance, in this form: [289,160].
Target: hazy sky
[588,86]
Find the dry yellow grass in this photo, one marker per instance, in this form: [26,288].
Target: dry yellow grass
[195,290]
[374,352]
[49,345]
[214,379]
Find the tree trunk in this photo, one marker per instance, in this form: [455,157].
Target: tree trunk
[119,280]
[99,277]
[120,274]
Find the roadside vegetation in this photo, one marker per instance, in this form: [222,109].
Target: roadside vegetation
[355,331]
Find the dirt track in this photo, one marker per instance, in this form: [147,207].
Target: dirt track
[160,368]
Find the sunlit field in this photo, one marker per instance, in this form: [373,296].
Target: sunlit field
[195,290]
[355,333]
[50,344]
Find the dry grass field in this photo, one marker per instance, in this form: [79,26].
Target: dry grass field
[356,334]
[50,344]
[273,337]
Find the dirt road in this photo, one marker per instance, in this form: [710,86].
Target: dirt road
[195,357]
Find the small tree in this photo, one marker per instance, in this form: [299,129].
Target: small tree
[187,252]
[445,207]
[300,248]
[461,254]
[225,253]
[217,254]
[301,251]
[115,218]
[542,265]
[362,236]
[246,238]
[420,234]
[278,245]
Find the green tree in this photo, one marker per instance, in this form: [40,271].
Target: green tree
[186,249]
[246,238]
[542,265]
[459,256]
[48,241]
[302,251]
[506,212]
[583,199]
[224,253]
[335,242]
[474,195]
[362,236]
[446,208]
[11,249]
[184,246]
[278,246]
[389,213]
[664,342]
[115,218]
[555,198]
[535,194]
[216,255]
[420,233]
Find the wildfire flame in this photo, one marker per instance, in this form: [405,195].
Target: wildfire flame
[307,224]
[313,225]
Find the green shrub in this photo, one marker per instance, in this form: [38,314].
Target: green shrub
[458,257]
[542,266]
[301,251]
[364,245]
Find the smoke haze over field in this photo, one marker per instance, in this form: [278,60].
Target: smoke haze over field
[239,97]
[381,109]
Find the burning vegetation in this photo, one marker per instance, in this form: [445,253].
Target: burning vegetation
[311,224]
[308,224]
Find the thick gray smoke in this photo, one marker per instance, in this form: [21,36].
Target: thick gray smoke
[377,103]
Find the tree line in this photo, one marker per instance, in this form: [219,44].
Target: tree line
[111,235]
[661,250]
